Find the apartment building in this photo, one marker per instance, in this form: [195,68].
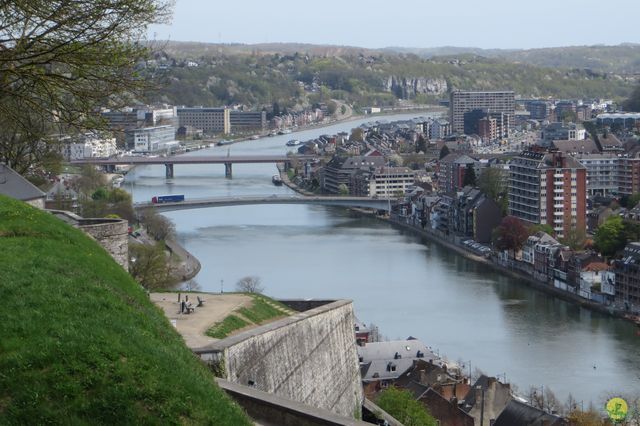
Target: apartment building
[383,182]
[247,120]
[452,169]
[627,282]
[87,146]
[548,188]
[209,120]
[151,139]
[494,102]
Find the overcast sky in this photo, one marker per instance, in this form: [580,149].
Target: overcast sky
[406,23]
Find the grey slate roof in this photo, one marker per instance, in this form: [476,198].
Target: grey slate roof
[15,186]
[389,360]
[517,413]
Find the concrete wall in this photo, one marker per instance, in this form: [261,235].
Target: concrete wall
[112,234]
[309,357]
[268,409]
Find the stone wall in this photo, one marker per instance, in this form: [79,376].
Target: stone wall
[309,357]
[112,234]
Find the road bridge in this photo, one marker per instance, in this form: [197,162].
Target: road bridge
[201,203]
[170,161]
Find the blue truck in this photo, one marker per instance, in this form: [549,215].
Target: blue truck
[167,199]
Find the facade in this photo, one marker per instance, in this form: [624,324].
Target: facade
[627,278]
[340,171]
[452,169]
[628,120]
[629,175]
[538,110]
[602,174]
[488,129]
[151,139]
[548,188]
[562,131]
[88,146]
[494,102]
[383,182]
[247,120]
[209,120]
[439,129]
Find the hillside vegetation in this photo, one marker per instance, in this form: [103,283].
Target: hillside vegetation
[81,342]
[258,76]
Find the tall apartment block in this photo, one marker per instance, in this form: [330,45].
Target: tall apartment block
[492,102]
[209,120]
[548,188]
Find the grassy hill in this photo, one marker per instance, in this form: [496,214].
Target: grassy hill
[80,341]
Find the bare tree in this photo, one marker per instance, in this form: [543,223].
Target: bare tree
[249,284]
[159,227]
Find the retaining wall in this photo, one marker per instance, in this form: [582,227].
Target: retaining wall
[309,357]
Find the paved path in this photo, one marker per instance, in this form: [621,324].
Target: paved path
[193,326]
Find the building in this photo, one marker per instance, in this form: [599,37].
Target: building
[602,173]
[439,129]
[563,131]
[151,139]
[452,169]
[209,120]
[339,171]
[88,146]
[627,281]
[494,102]
[629,120]
[383,182]
[629,174]
[247,120]
[548,188]
[15,186]
[538,110]
[488,129]
[565,109]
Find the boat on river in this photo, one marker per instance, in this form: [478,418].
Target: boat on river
[277,180]
[293,142]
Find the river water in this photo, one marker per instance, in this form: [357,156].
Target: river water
[406,286]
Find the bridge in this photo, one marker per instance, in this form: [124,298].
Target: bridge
[201,203]
[169,161]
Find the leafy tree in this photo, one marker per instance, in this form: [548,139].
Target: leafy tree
[149,266]
[575,238]
[158,226]
[249,284]
[401,405]
[421,144]
[343,189]
[609,237]
[469,176]
[332,107]
[395,160]
[546,228]
[633,102]
[357,135]
[343,109]
[60,62]
[491,183]
[511,234]
[89,181]
[444,151]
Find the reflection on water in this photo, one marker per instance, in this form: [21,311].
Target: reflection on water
[404,285]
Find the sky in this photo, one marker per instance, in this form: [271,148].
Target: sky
[504,24]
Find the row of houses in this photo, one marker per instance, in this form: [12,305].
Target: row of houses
[442,387]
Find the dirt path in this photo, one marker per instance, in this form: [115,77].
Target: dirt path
[193,326]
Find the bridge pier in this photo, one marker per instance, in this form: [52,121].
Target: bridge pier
[169,170]
[227,170]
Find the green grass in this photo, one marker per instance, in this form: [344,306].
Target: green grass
[259,312]
[228,325]
[80,341]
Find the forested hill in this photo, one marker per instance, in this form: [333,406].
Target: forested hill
[300,75]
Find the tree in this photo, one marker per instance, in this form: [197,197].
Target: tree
[89,181]
[395,160]
[60,62]
[540,227]
[148,265]
[401,405]
[609,237]
[575,238]
[469,176]
[511,234]
[343,109]
[444,152]
[158,226]
[332,107]
[357,135]
[249,284]
[421,144]
[343,189]
[491,183]
[633,102]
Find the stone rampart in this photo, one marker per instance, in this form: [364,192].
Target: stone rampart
[309,357]
[112,234]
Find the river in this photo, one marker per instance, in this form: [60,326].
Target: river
[407,287]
